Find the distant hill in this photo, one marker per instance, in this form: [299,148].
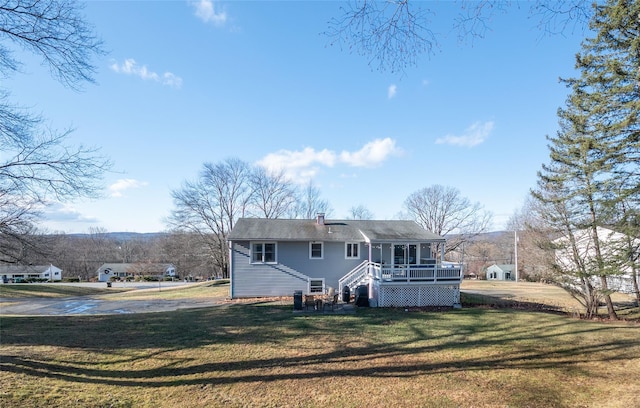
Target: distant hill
[126,236]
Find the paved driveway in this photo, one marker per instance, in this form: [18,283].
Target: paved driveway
[86,305]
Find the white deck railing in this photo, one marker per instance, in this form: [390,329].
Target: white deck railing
[416,274]
[440,273]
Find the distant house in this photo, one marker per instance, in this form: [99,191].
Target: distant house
[18,273]
[399,262]
[130,270]
[501,272]
[614,249]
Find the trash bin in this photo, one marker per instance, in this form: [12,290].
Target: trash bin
[297,300]
[346,294]
[362,296]
[108,284]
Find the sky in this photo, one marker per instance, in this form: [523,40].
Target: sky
[189,82]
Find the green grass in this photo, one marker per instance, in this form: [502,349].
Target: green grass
[267,356]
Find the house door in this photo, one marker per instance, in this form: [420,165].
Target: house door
[404,254]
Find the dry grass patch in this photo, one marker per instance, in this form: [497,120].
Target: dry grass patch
[219,289]
[540,295]
[250,355]
[34,290]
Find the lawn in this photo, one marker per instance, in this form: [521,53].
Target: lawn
[33,290]
[244,355]
[218,288]
[207,289]
[540,296]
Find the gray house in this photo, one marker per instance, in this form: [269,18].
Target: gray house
[400,262]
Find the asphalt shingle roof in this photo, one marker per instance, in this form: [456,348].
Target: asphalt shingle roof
[332,230]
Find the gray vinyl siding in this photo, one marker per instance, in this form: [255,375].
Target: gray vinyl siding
[292,269]
[332,267]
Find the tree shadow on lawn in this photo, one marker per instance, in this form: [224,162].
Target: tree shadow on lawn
[374,343]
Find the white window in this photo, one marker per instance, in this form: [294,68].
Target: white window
[316,286]
[316,250]
[352,250]
[263,252]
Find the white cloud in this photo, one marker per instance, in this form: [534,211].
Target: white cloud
[121,185]
[298,165]
[131,67]
[472,136]
[372,154]
[391,91]
[206,11]
[59,212]
[171,80]
[302,165]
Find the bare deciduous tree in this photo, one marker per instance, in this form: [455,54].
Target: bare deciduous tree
[273,195]
[36,164]
[391,34]
[211,205]
[54,30]
[394,34]
[310,203]
[360,212]
[534,257]
[444,211]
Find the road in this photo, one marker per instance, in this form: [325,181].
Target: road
[87,305]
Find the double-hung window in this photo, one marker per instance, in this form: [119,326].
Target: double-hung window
[316,250]
[316,286]
[263,252]
[352,250]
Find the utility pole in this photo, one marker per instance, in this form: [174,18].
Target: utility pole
[515,244]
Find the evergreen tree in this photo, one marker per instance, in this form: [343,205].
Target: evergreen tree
[598,143]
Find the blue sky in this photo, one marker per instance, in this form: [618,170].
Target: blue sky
[186,83]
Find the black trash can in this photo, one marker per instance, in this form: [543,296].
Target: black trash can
[362,296]
[346,294]
[297,300]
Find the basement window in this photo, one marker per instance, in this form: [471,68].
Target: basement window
[316,286]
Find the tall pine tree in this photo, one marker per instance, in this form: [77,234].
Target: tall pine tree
[595,159]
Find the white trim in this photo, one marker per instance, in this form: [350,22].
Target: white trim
[321,288]
[263,243]
[346,250]
[311,243]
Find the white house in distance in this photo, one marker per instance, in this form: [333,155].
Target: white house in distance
[610,242]
[124,270]
[19,273]
[501,272]
[399,262]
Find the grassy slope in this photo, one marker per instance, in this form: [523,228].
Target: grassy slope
[248,355]
[34,290]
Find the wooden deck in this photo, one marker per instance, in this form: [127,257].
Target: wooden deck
[419,274]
